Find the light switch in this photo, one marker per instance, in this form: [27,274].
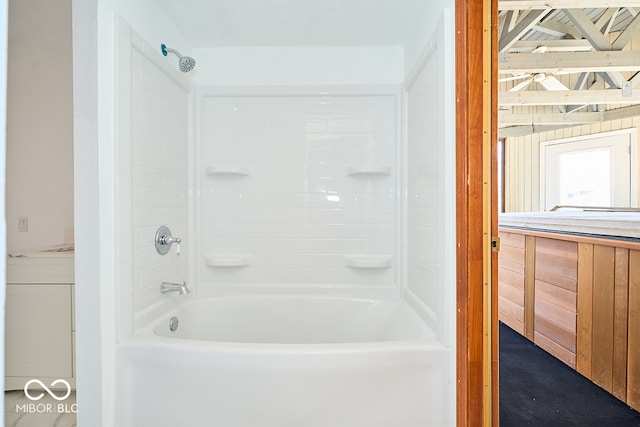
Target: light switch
[23,224]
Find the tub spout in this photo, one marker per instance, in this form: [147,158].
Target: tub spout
[182,288]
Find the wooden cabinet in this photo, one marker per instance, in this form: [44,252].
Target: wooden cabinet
[577,297]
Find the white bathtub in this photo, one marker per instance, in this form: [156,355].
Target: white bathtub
[285,361]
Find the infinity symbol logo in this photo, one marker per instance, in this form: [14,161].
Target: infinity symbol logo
[51,393]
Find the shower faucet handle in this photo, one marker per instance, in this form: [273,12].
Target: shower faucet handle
[164,240]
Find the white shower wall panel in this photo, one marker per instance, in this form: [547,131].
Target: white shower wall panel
[431,184]
[298,187]
[153,177]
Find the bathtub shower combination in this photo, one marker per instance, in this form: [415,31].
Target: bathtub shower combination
[311,246]
[286,361]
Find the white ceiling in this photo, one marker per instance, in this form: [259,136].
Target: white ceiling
[210,23]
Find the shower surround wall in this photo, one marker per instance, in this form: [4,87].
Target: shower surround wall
[430,168]
[299,190]
[153,177]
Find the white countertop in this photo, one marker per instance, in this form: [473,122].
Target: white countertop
[613,224]
[53,265]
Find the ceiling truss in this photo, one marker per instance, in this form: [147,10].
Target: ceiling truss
[563,63]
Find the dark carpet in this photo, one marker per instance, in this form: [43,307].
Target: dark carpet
[536,389]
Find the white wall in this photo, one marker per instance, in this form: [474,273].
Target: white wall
[428,14]
[39,123]
[3,111]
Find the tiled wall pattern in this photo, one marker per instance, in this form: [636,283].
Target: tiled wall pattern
[159,182]
[427,213]
[299,190]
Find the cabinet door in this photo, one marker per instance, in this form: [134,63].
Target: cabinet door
[38,331]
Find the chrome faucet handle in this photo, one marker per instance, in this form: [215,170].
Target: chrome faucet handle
[164,240]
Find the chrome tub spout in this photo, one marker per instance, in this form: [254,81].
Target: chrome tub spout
[181,288]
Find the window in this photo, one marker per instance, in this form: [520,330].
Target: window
[594,170]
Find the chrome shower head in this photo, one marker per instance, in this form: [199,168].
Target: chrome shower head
[185,63]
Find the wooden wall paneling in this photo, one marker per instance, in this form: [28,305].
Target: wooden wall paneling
[585,309]
[603,309]
[511,287]
[563,318]
[633,337]
[556,274]
[557,296]
[559,266]
[620,323]
[511,314]
[556,350]
[529,287]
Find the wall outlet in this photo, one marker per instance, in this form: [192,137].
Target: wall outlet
[23,224]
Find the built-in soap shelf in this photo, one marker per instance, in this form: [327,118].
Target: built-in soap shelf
[225,260]
[369,262]
[228,170]
[368,171]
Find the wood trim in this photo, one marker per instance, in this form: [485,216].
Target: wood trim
[529,287]
[584,326]
[621,301]
[602,241]
[603,316]
[633,336]
[493,140]
[471,183]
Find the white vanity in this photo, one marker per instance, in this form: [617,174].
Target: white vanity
[40,326]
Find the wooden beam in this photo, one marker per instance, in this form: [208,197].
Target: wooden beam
[505,118]
[587,28]
[563,4]
[513,131]
[535,127]
[558,29]
[525,24]
[563,45]
[567,97]
[622,113]
[569,62]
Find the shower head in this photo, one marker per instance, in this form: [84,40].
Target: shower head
[185,63]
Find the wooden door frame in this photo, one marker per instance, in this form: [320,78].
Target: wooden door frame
[476,212]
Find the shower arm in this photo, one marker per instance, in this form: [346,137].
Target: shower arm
[166,49]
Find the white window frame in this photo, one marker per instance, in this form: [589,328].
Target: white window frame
[633,140]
